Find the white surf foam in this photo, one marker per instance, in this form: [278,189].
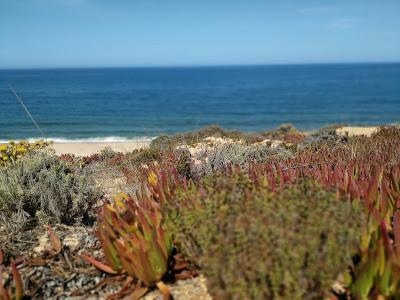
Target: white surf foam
[109,139]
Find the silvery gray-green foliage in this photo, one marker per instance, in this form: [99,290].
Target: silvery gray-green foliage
[217,158]
[108,153]
[41,186]
[324,136]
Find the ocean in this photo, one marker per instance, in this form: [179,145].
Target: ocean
[140,103]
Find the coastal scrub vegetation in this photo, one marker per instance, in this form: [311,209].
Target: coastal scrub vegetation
[13,151]
[271,215]
[285,132]
[41,188]
[252,243]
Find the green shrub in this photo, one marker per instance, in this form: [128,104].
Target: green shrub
[140,156]
[217,158]
[107,153]
[325,136]
[251,243]
[285,132]
[184,163]
[42,186]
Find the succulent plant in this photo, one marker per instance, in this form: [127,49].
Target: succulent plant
[361,171]
[8,294]
[134,241]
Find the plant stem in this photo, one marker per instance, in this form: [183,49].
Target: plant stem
[164,290]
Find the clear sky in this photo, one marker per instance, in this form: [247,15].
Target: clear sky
[89,33]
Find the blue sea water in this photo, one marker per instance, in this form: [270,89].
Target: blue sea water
[132,103]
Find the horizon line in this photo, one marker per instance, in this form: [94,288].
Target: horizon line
[193,66]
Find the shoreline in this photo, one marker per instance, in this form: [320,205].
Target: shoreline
[89,147]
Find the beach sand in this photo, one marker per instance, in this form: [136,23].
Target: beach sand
[88,148]
[354,130]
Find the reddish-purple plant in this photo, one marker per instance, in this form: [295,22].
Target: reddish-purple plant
[134,241]
[8,294]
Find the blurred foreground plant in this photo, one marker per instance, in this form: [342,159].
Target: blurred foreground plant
[134,241]
[252,243]
[377,273]
[8,294]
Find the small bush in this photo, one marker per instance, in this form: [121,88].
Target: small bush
[107,153]
[42,186]
[144,156]
[325,136]
[139,157]
[184,163]
[212,159]
[284,132]
[254,244]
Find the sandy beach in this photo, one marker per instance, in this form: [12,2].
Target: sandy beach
[354,130]
[88,148]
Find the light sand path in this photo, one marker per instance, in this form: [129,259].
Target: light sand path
[88,148]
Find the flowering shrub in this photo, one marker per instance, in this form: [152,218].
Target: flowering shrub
[13,151]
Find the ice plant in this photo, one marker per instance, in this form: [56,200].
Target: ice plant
[55,241]
[134,241]
[377,186]
[378,271]
[7,294]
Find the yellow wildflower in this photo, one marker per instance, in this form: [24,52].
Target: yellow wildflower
[152,178]
[21,149]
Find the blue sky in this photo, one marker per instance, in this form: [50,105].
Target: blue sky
[89,33]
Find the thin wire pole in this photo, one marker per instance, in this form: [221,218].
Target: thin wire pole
[26,110]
